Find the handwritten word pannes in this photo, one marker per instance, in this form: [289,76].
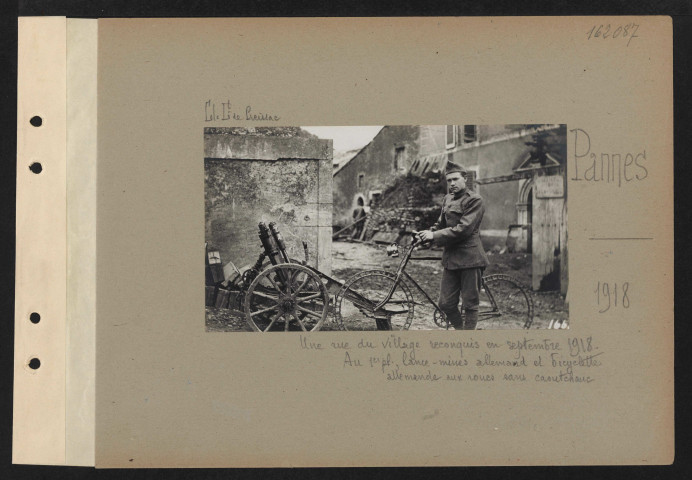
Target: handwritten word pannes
[614,168]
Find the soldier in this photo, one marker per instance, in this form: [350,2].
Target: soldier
[358,214]
[463,258]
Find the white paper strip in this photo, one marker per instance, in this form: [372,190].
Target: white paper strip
[39,393]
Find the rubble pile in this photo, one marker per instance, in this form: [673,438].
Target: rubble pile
[397,222]
[414,191]
[409,203]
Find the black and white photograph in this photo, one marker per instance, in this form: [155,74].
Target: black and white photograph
[394,227]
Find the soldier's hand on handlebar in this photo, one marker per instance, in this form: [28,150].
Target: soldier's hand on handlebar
[426,236]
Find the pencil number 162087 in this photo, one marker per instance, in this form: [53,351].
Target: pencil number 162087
[620,31]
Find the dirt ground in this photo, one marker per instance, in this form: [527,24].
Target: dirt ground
[350,258]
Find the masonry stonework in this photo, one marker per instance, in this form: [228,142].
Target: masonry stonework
[251,178]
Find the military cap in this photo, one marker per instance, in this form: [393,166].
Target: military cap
[453,167]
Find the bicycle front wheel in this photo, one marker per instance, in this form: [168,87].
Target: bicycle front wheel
[355,302]
[504,303]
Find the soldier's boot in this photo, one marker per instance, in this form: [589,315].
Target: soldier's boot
[457,326]
[470,319]
[456,321]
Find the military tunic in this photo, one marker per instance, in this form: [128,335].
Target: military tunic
[458,231]
[463,258]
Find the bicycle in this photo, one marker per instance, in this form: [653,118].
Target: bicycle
[284,294]
[386,297]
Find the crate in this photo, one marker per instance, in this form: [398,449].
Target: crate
[221,300]
[210,296]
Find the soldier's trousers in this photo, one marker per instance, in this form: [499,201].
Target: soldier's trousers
[464,283]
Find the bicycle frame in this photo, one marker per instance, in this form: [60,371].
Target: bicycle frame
[401,272]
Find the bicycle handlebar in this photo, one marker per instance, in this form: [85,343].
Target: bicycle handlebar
[417,241]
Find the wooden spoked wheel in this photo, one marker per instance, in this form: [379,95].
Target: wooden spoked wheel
[286,297]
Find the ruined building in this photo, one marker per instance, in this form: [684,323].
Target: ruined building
[518,169]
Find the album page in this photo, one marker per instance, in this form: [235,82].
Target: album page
[427,242]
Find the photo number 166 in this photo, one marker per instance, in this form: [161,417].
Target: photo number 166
[611,295]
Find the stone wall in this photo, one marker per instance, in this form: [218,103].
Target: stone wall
[284,178]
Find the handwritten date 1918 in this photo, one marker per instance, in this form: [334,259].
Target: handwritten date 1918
[628,31]
[608,295]
[581,346]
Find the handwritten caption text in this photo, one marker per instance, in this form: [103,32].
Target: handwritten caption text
[399,359]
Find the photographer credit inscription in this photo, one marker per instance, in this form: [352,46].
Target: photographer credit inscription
[226,111]
[565,360]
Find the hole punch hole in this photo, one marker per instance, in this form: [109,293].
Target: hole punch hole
[36,121]
[34,363]
[35,318]
[36,167]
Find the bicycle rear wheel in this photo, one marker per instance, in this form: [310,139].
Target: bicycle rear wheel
[504,304]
